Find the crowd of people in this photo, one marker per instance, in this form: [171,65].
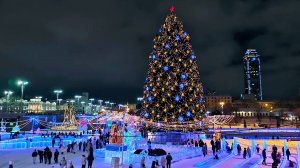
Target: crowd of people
[45,156]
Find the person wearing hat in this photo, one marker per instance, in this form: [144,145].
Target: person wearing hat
[10,163]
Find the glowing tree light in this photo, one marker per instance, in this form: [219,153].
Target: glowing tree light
[173,92]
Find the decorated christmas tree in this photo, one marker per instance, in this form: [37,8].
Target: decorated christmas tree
[173,92]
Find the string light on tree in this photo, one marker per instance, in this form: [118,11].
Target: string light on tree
[173,92]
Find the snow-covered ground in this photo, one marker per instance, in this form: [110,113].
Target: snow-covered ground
[22,159]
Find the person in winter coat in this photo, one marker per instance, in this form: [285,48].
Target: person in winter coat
[143,161]
[10,164]
[79,145]
[56,153]
[239,149]
[249,152]
[83,161]
[264,155]
[41,157]
[53,142]
[204,150]
[63,162]
[257,148]
[169,159]
[34,155]
[288,153]
[70,164]
[45,156]
[49,156]
[245,153]
[90,156]
[163,162]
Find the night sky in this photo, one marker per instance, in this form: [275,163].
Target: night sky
[102,47]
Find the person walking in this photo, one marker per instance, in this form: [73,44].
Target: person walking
[56,153]
[245,153]
[257,148]
[63,162]
[163,162]
[288,153]
[83,161]
[169,159]
[90,156]
[204,150]
[34,155]
[264,155]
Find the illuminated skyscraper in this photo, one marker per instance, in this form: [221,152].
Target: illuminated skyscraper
[252,70]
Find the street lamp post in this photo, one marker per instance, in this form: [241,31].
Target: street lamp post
[91,99]
[72,102]
[57,92]
[106,103]
[77,97]
[111,105]
[222,106]
[8,93]
[22,84]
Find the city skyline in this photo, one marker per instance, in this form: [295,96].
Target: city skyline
[106,55]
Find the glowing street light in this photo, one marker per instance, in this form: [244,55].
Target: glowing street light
[111,104]
[57,92]
[106,103]
[72,101]
[139,99]
[22,84]
[91,99]
[77,97]
[8,93]
[222,105]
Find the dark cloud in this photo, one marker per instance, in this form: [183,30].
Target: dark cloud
[102,46]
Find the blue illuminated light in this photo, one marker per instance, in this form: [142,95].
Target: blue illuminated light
[253,59]
[167,46]
[188,113]
[183,76]
[180,118]
[177,98]
[181,86]
[185,33]
[201,100]
[166,68]
[177,38]
[153,56]
[146,115]
[147,88]
[149,98]
[193,56]
[160,30]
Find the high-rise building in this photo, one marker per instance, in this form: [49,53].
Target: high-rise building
[252,74]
